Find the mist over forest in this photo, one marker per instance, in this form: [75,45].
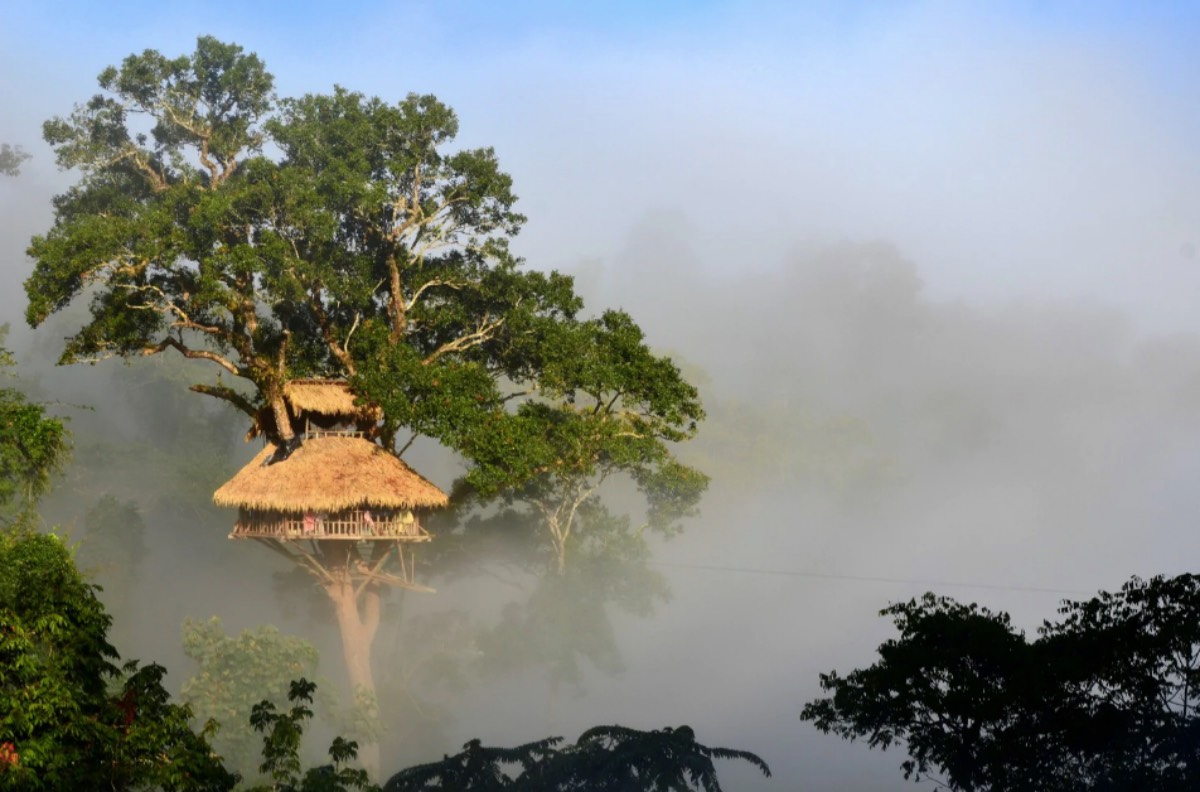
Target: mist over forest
[971,368]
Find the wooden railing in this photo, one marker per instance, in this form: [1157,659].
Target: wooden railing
[353,524]
[310,433]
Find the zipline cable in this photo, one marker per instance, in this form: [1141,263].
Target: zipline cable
[873,579]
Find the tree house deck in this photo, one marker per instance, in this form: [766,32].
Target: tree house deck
[355,525]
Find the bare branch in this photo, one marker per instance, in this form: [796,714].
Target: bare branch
[350,334]
[429,285]
[167,306]
[339,351]
[484,332]
[411,440]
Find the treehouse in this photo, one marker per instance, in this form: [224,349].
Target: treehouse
[333,500]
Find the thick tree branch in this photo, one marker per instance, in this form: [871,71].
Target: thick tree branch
[396,309]
[339,351]
[167,306]
[227,394]
[192,354]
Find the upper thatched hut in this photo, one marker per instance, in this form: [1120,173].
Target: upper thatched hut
[318,405]
[336,484]
[329,399]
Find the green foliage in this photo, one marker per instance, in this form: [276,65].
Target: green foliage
[33,447]
[11,158]
[234,674]
[604,759]
[602,407]
[358,233]
[609,405]
[158,746]
[282,732]
[54,654]
[67,728]
[1104,699]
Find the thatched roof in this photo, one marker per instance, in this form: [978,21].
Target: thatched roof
[329,474]
[324,397]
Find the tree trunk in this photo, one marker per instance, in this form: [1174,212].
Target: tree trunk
[356,637]
[559,540]
[396,302]
[358,630]
[283,421]
[560,548]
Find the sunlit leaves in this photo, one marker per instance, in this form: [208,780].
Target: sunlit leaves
[33,446]
[355,224]
[56,707]
[605,407]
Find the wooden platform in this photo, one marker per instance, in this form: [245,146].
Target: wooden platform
[355,525]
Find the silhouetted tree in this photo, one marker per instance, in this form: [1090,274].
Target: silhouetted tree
[475,769]
[1104,698]
[619,759]
[605,759]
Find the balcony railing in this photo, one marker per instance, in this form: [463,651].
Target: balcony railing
[356,524]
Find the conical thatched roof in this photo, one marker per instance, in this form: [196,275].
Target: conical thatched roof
[329,474]
[324,397]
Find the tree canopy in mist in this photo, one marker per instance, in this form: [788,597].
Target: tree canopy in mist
[1105,698]
[339,236]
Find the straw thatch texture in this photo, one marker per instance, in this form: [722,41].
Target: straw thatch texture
[329,474]
[325,397]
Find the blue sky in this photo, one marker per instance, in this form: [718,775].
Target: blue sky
[1015,151]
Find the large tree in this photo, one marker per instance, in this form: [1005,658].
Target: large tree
[187,235]
[1104,698]
[339,235]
